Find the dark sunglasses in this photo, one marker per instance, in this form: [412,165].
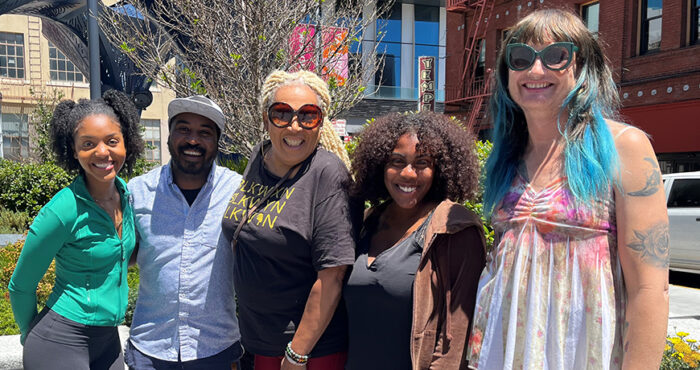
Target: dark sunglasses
[309,116]
[555,57]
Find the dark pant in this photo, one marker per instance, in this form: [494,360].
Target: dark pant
[137,360]
[56,342]
[335,361]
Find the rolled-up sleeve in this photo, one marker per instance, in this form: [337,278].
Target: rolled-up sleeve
[45,237]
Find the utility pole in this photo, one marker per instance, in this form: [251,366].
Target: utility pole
[94,50]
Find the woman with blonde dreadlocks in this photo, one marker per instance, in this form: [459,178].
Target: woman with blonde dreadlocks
[291,229]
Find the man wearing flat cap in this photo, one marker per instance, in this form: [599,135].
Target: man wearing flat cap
[185,316]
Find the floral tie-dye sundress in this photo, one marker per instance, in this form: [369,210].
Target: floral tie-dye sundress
[552,294]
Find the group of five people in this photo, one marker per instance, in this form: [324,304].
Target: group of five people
[576,279]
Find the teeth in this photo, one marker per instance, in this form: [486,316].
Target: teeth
[540,85]
[192,152]
[293,141]
[407,189]
[103,165]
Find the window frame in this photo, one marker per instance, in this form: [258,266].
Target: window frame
[6,43]
[694,12]
[583,14]
[60,57]
[644,28]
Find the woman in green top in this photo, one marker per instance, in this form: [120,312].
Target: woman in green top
[88,229]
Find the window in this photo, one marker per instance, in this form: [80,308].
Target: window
[14,130]
[62,69]
[694,21]
[427,36]
[651,26]
[590,14]
[11,55]
[389,31]
[684,193]
[152,138]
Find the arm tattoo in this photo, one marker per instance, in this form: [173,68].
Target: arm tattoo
[652,244]
[653,181]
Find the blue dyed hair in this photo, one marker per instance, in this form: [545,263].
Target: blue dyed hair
[591,160]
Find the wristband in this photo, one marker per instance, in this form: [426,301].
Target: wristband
[293,357]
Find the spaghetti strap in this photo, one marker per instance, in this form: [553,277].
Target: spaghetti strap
[622,132]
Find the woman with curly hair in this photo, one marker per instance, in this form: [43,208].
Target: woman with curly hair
[88,229]
[411,292]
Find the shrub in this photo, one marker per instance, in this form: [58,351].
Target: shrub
[26,187]
[133,281]
[12,222]
[681,353]
[8,261]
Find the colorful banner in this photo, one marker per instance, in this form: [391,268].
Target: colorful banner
[426,83]
[334,46]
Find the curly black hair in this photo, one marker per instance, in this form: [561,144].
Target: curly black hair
[452,147]
[69,114]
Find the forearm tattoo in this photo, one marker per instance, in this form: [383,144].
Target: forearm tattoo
[652,244]
[653,180]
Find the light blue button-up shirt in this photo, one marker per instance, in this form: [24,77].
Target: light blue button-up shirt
[186,297]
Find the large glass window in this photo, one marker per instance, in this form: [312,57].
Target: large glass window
[427,36]
[695,21]
[389,31]
[590,14]
[11,55]
[62,69]
[14,129]
[650,39]
[152,138]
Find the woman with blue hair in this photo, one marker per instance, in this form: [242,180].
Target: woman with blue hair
[578,276]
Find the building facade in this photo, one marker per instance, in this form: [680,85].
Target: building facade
[32,67]
[411,29]
[652,45]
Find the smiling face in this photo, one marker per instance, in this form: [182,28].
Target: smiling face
[408,175]
[192,144]
[291,145]
[538,89]
[99,147]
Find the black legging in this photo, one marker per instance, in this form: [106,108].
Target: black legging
[56,342]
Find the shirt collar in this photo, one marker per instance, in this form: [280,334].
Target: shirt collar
[80,187]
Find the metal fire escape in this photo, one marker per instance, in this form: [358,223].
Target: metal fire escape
[473,87]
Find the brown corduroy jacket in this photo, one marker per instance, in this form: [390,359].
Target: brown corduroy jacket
[444,291]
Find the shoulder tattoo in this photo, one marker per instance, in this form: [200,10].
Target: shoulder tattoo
[652,244]
[653,181]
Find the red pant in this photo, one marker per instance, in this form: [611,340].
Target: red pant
[335,361]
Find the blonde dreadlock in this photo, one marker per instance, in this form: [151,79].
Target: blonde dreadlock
[328,137]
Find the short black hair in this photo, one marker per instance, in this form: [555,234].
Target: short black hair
[69,114]
[451,146]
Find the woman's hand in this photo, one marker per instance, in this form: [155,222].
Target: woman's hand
[643,248]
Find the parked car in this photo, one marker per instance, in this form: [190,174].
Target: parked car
[683,202]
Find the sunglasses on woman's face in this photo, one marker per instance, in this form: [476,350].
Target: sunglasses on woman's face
[309,116]
[555,57]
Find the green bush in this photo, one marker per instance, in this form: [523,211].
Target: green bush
[12,222]
[26,187]
[133,281]
[8,261]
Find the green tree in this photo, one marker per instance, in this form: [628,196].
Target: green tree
[40,121]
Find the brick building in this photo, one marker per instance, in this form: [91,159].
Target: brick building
[653,47]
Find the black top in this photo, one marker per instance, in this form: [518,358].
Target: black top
[190,194]
[379,300]
[304,227]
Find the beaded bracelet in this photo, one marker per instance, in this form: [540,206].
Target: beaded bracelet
[293,357]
